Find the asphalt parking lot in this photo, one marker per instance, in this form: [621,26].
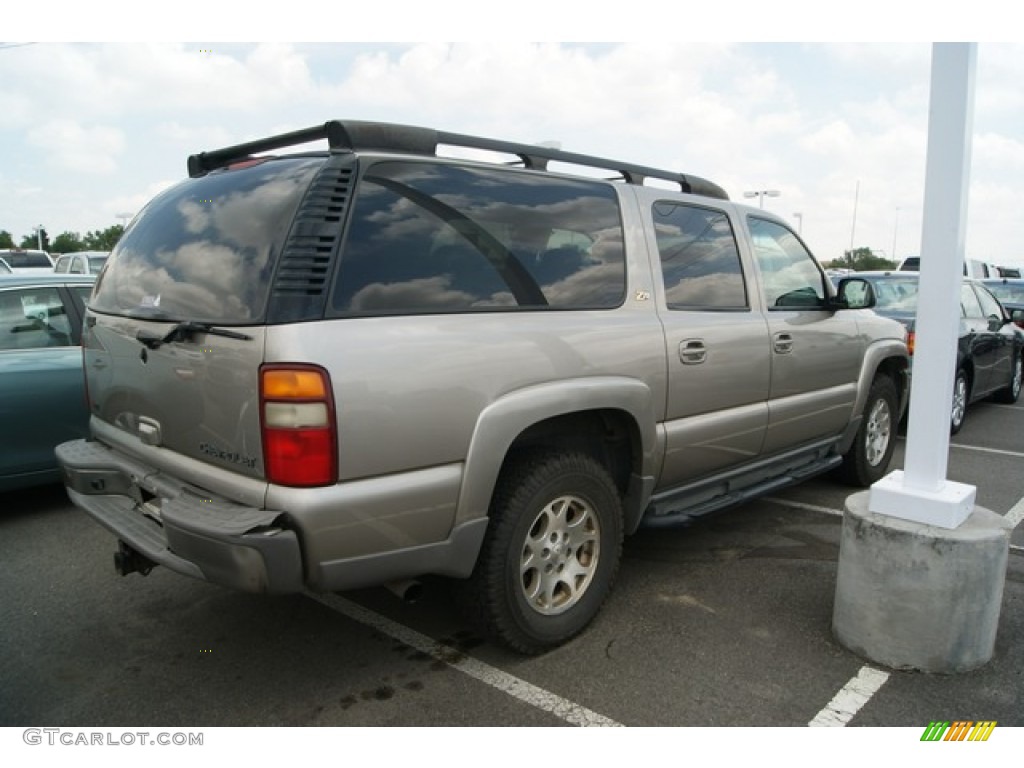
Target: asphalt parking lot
[724,623]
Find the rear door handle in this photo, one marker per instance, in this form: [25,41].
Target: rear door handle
[692,352]
[783,343]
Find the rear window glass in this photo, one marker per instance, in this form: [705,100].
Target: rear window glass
[27,259]
[427,238]
[205,249]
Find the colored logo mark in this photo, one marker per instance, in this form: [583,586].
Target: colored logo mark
[959,730]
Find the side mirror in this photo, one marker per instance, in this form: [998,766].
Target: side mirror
[855,293]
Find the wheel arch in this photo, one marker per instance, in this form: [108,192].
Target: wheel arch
[610,418]
[887,358]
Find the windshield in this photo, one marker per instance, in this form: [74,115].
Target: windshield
[205,250]
[1007,291]
[896,294]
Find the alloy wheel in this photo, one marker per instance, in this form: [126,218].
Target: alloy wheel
[560,555]
[879,432]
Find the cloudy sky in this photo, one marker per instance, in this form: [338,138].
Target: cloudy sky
[90,131]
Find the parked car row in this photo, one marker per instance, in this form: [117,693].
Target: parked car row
[26,262]
[989,347]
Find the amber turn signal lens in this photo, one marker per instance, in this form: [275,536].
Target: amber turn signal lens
[293,384]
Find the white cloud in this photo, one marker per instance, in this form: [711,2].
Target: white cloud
[810,120]
[68,146]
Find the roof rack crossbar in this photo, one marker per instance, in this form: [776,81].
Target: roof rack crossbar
[537,157]
[358,134]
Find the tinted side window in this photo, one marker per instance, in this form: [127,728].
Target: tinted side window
[32,318]
[699,259]
[62,264]
[441,238]
[792,278]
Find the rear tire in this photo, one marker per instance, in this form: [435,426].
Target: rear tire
[1011,392]
[868,458]
[551,551]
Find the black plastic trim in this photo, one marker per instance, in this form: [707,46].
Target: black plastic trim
[361,135]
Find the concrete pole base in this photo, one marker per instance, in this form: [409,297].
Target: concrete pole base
[918,597]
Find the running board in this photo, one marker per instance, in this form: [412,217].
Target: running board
[681,507]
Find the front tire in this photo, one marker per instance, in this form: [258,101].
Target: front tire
[1011,392]
[958,412]
[869,456]
[551,551]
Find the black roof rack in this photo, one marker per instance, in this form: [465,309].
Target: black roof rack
[362,135]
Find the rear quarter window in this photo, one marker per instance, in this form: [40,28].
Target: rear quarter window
[431,238]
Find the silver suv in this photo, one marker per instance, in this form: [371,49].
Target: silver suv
[369,364]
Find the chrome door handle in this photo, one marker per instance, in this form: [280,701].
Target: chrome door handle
[692,352]
[783,343]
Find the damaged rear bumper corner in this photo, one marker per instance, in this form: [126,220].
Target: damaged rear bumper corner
[181,527]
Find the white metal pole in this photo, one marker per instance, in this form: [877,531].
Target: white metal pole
[942,254]
[921,492]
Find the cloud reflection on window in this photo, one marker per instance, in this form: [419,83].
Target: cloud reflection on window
[204,249]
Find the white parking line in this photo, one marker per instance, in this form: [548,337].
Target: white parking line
[1016,454]
[801,505]
[854,695]
[526,692]
[1016,513]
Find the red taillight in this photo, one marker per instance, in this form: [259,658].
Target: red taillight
[298,425]
[910,342]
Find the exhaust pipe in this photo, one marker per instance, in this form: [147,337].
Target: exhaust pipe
[407,590]
[127,560]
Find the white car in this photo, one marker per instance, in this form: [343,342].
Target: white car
[27,262]
[81,262]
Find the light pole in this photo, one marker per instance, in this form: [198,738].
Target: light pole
[39,237]
[799,222]
[761,194]
[895,228]
[124,217]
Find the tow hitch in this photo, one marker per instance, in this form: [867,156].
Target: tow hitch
[127,560]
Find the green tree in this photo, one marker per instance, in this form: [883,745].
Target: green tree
[6,241]
[103,241]
[67,242]
[862,260]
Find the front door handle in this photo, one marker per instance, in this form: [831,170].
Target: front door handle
[693,352]
[783,343]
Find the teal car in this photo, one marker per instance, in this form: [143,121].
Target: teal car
[42,390]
